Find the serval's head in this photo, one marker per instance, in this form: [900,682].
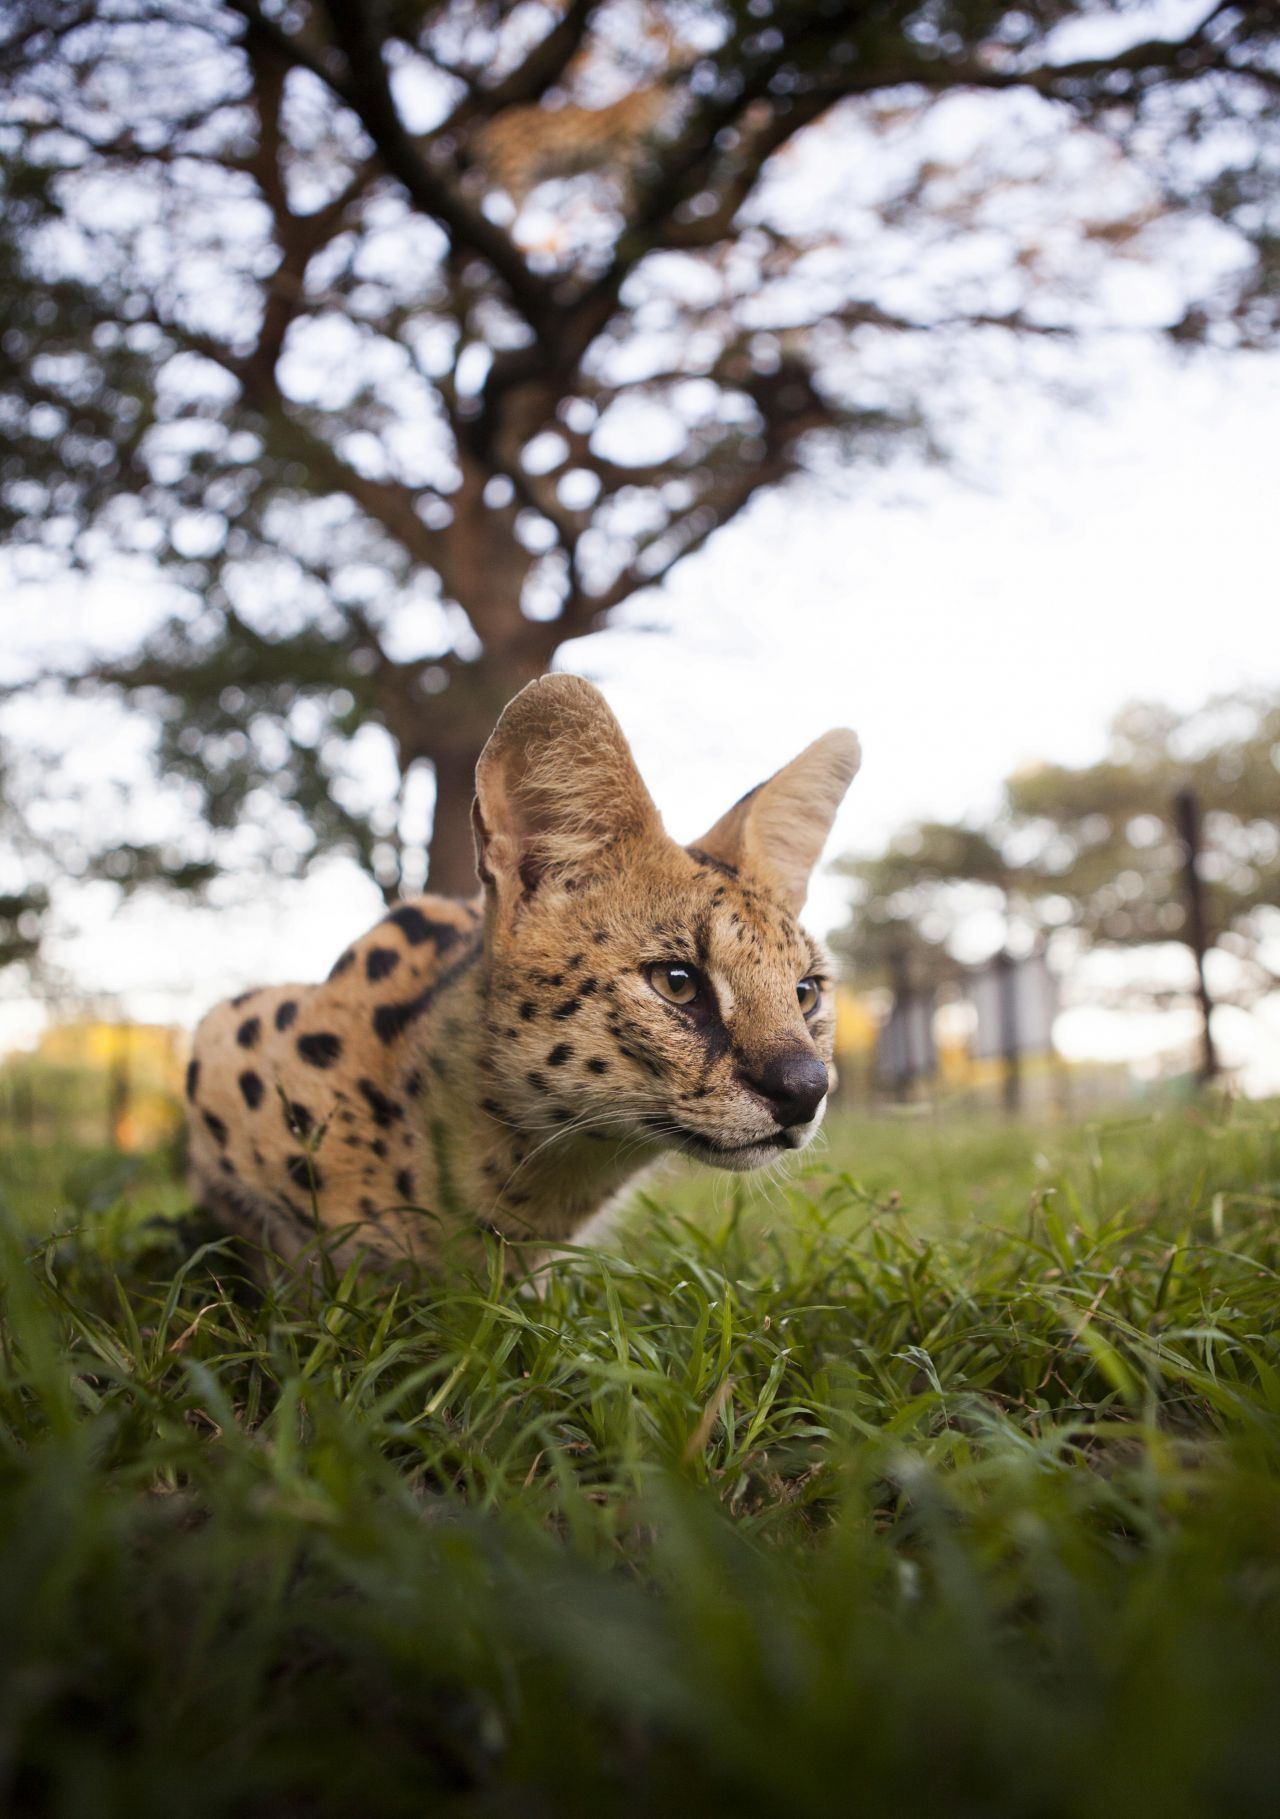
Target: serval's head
[638,988]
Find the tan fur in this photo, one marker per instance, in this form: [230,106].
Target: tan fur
[505,1066]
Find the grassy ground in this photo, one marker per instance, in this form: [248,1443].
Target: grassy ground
[944,1480]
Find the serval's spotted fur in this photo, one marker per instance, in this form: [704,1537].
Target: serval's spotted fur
[506,1065]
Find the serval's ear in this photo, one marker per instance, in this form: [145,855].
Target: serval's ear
[556,789]
[776,833]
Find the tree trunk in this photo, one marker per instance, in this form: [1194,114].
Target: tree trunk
[451,867]
[1010,1046]
[1187,811]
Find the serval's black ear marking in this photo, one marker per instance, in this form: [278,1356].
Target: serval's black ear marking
[556,789]
[776,833]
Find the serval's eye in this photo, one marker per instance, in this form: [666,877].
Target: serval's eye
[676,983]
[809,995]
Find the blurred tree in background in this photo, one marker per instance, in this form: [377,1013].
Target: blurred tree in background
[1098,855]
[1105,839]
[412,341]
[24,901]
[36,851]
[910,900]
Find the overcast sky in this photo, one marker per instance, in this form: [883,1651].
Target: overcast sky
[1124,550]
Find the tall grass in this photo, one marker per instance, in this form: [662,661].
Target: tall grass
[947,1482]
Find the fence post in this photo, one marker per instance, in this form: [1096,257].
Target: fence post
[1187,810]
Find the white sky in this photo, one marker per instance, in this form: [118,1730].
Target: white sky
[1125,551]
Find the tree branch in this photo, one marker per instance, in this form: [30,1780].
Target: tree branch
[1085,81]
[389,502]
[52,22]
[368,92]
[584,613]
[541,70]
[1182,59]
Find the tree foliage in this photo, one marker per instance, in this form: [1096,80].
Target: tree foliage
[1096,853]
[24,902]
[397,424]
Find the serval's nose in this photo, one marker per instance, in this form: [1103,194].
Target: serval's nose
[792,1083]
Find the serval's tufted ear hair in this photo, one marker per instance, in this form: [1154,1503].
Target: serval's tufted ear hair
[776,833]
[556,788]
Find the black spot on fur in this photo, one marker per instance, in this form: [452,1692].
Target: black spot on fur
[559,1055]
[227,1166]
[390,1020]
[380,961]
[413,1084]
[298,1118]
[528,1011]
[379,1147]
[251,1089]
[385,1111]
[320,1050]
[555,979]
[248,1033]
[587,988]
[599,934]
[711,862]
[342,964]
[404,1184]
[711,1031]
[536,1081]
[495,1110]
[569,1008]
[597,1065]
[417,928]
[367,1206]
[216,1129]
[302,1171]
[285,1013]
[575,961]
[193,1079]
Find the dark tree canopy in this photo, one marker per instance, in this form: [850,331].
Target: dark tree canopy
[413,340]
